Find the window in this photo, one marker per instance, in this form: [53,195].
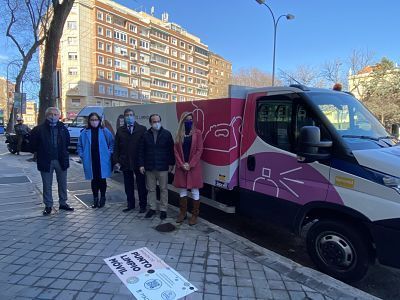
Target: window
[159,94]
[174,52]
[100,60]
[76,102]
[144,58]
[133,69]
[174,64]
[160,34]
[182,88]
[72,40]
[109,76]
[100,74]
[71,25]
[144,44]
[144,70]
[100,45]
[132,28]
[108,47]
[109,62]
[182,44]
[190,79]
[144,32]
[121,36]
[159,59]
[102,89]
[182,66]
[109,91]
[99,30]
[183,55]
[174,41]
[182,77]
[73,86]
[72,55]
[100,16]
[73,71]
[174,75]
[132,41]
[120,50]
[145,83]
[108,33]
[273,121]
[108,19]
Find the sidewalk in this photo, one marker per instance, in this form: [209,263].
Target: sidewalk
[61,256]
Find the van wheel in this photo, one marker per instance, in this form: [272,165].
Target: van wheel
[338,249]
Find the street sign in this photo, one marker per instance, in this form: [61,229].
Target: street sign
[20,103]
[148,277]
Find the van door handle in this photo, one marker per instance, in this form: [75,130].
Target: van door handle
[251,163]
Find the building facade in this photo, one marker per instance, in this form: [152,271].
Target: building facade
[30,117]
[220,76]
[112,56]
[6,96]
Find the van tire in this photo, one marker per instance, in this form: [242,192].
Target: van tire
[338,249]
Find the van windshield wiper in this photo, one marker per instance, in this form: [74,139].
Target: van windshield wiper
[365,137]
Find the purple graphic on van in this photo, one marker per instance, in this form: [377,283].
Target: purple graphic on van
[281,176]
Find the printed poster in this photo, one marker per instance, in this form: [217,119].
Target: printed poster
[149,277]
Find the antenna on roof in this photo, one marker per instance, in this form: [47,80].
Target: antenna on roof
[152,11]
[164,17]
[290,76]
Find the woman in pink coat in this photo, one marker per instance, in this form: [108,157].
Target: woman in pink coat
[188,172]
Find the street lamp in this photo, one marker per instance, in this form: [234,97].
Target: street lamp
[14,62]
[276,21]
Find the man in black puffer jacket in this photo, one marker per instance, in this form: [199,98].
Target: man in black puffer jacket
[50,140]
[156,158]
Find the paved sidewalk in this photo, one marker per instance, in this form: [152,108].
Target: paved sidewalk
[61,256]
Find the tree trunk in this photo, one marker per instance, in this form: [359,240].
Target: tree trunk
[49,67]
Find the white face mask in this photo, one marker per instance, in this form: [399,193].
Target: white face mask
[156,126]
[94,124]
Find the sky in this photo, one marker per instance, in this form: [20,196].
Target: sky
[242,30]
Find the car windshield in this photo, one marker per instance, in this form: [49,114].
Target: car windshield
[80,121]
[350,117]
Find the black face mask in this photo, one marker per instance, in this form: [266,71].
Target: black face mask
[188,126]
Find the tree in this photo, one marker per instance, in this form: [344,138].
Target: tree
[303,74]
[60,11]
[26,19]
[358,62]
[252,77]
[382,91]
[332,72]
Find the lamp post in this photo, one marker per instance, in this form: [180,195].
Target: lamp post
[276,21]
[14,62]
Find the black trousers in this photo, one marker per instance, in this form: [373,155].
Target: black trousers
[99,184]
[129,182]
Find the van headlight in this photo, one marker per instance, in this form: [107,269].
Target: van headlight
[385,179]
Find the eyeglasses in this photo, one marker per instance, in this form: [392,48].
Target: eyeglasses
[94,120]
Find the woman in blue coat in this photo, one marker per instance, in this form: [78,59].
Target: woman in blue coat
[95,148]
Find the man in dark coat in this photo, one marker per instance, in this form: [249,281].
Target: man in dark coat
[21,130]
[125,155]
[156,158]
[50,140]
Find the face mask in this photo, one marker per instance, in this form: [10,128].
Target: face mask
[94,124]
[156,126]
[188,126]
[130,120]
[52,120]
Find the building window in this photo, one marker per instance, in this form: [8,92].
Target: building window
[144,32]
[183,55]
[100,45]
[174,75]
[109,76]
[108,19]
[132,28]
[182,44]
[182,66]
[182,77]
[108,47]
[71,25]
[132,41]
[120,50]
[102,89]
[144,44]
[72,40]
[73,71]
[100,60]
[76,102]
[174,41]
[100,74]
[174,52]
[109,62]
[174,64]
[183,89]
[121,36]
[100,16]
[99,30]
[190,79]
[109,91]
[108,33]
[72,55]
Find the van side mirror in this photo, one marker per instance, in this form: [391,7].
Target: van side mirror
[396,130]
[309,144]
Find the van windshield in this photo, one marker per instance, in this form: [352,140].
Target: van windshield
[80,121]
[350,117]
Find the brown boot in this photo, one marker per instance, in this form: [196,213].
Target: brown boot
[182,210]
[195,212]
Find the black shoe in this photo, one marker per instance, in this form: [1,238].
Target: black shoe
[163,215]
[142,210]
[150,213]
[66,207]
[128,209]
[102,201]
[47,211]
[95,202]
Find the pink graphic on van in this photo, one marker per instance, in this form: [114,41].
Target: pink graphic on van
[281,176]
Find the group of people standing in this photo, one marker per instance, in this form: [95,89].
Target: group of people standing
[144,155]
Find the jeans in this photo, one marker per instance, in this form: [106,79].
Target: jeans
[129,183]
[151,182]
[47,179]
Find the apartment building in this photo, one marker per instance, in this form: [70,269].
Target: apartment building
[220,76]
[112,56]
[6,87]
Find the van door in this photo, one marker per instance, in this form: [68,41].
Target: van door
[273,177]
